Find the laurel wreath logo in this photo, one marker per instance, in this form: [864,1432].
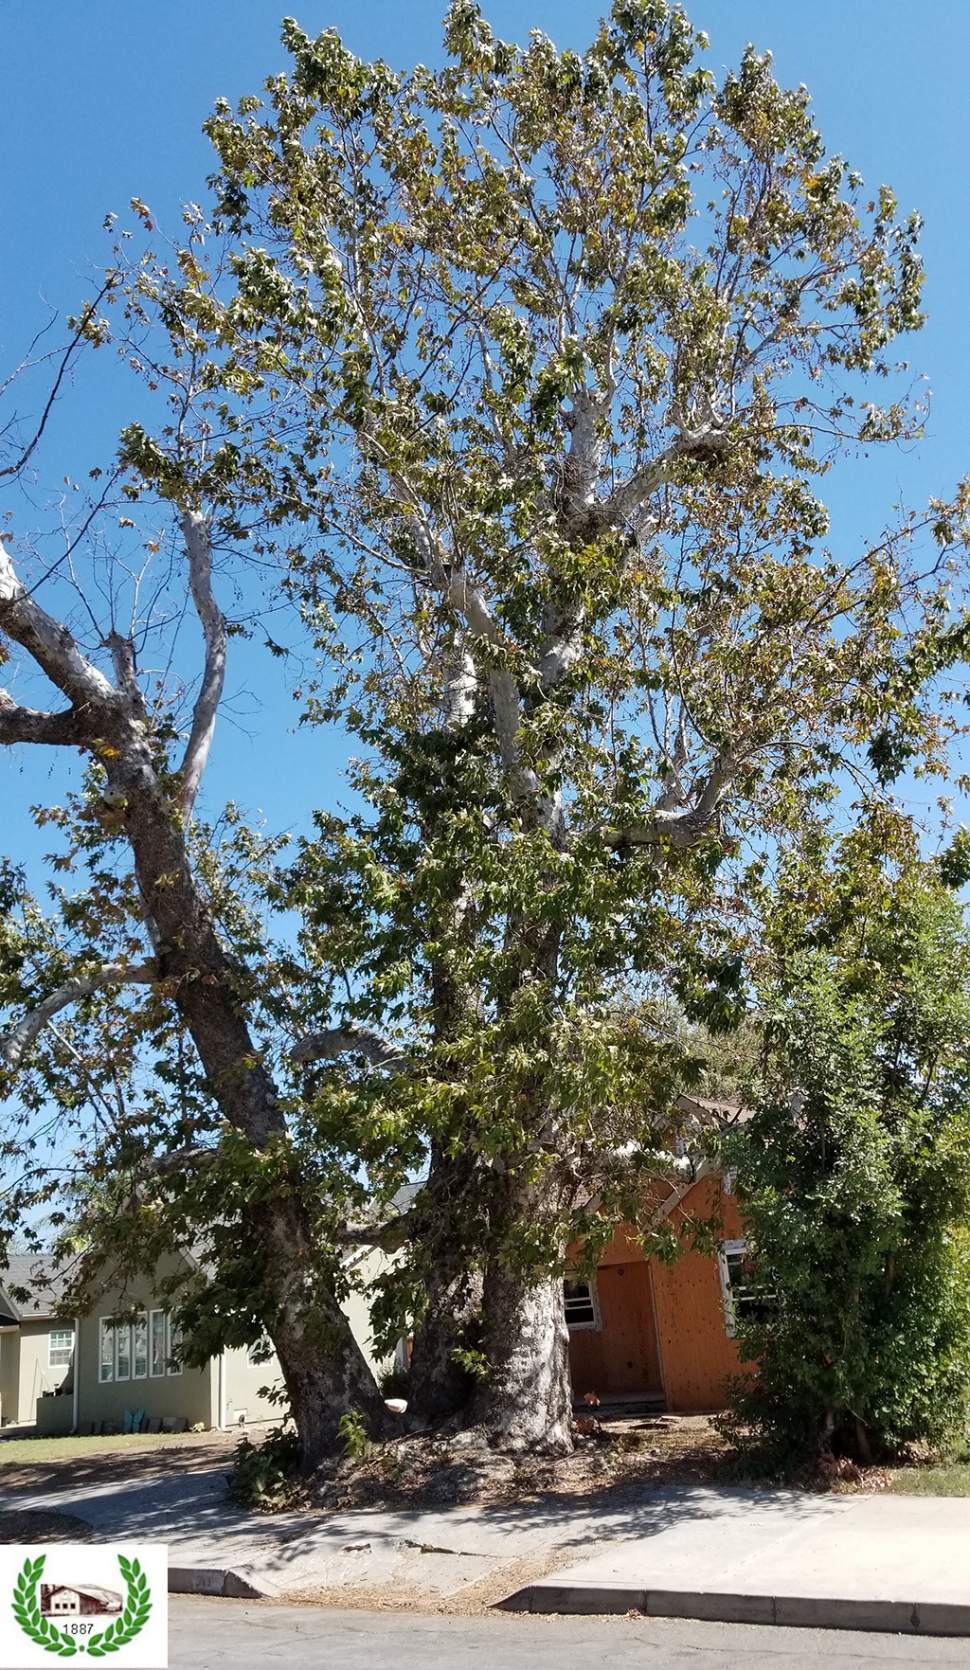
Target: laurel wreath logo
[138,1605]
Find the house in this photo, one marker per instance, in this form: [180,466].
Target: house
[57,1600]
[127,1376]
[661,1335]
[36,1346]
[640,1331]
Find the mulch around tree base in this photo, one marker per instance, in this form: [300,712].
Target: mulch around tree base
[430,1471]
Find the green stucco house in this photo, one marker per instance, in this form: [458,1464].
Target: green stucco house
[117,1367]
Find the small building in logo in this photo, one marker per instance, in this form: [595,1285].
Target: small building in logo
[62,1600]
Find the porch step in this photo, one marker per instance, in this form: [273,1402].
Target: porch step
[612,1405]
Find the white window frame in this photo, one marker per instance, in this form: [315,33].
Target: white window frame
[141,1321]
[597,1322]
[737,1249]
[106,1362]
[157,1373]
[122,1329]
[60,1334]
[727,1249]
[173,1339]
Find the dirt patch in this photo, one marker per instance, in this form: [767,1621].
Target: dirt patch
[617,1458]
[41,1525]
[614,1461]
[472,1600]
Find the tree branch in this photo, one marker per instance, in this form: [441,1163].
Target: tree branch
[684,826]
[348,1040]
[196,529]
[26,724]
[165,1165]
[14,1045]
[80,333]
[51,646]
[708,436]
[389,1236]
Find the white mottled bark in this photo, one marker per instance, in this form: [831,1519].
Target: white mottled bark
[524,1404]
[195,528]
[14,1045]
[348,1040]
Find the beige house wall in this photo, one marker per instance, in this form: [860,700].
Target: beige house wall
[242,1382]
[25,1368]
[9,1375]
[356,1306]
[187,1393]
[36,1374]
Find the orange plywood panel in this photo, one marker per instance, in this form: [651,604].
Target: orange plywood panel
[698,1355]
[621,1355]
[623,1249]
[629,1337]
[586,1361]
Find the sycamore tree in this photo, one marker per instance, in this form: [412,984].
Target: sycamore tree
[520,377]
[527,370]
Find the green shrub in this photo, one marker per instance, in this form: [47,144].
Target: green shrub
[266,1475]
[854,1184]
[394,1382]
[353,1431]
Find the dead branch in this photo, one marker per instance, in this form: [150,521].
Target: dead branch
[14,1045]
[197,531]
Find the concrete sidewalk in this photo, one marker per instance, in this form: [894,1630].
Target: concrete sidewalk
[894,1563]
[876,1562]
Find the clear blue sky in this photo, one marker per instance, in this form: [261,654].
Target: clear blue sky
[104,99]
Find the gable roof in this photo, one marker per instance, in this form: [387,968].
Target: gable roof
[45,1284]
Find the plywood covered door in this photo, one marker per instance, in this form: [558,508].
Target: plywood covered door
[629,1335]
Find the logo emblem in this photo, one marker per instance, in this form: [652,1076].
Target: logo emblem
[59,1620]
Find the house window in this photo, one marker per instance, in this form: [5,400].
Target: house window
[158,1343]
[123,1352]
[745,1298]
[107,1368]
[61,1347]
[174,1347]
[139,1348]
[582,1309]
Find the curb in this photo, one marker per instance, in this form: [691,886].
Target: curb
[890,1617]
[231,1582]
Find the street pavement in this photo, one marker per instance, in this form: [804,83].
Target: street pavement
[205,1634]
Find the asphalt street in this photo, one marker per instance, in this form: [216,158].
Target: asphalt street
[206,1633]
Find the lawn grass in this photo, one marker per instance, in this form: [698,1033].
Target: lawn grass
[950,1478]
[20,1450]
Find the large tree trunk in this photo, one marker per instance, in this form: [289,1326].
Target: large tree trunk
[323,1368]
[440,1386]
[525,1402]
[444,1247]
